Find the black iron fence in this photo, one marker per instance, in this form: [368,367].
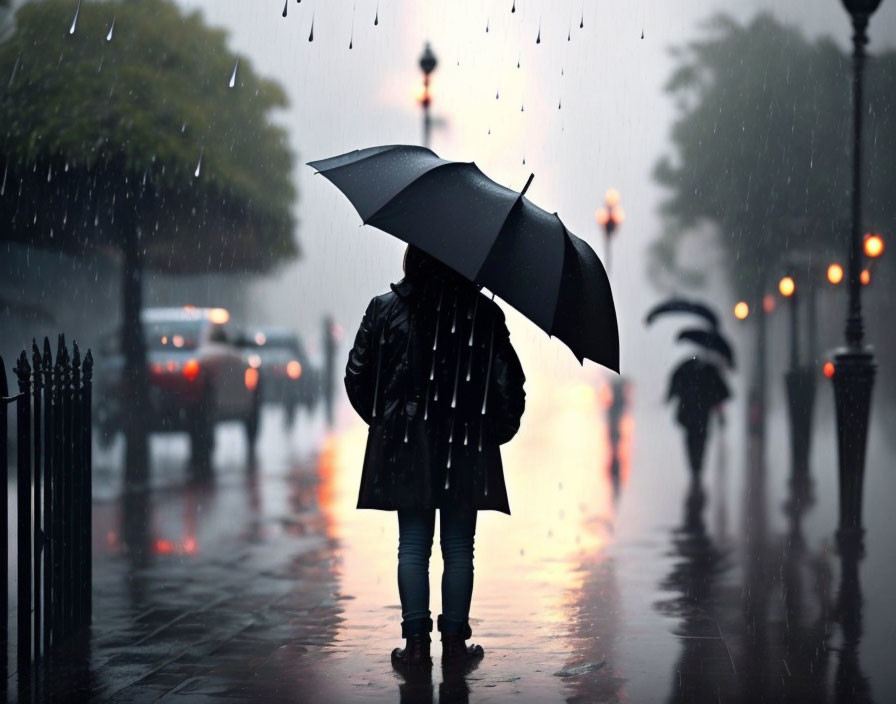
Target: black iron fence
[53,470]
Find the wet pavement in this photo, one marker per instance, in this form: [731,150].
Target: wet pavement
[261,582]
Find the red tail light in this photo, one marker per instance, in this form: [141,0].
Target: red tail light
[191,369]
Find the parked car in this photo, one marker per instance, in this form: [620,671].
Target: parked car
[197,377]
[290,379]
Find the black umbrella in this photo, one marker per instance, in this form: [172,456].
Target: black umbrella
[683,305]
[489,234]
[711,340]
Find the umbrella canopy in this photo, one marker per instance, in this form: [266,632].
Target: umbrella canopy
[683,305]
[711,340]
[489,234]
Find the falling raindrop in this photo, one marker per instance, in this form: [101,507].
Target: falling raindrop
[407,424]
[561,71]
[285,5]
[524,161]
[560,104]
[183,127]
[3,185]
[569,34]
[473,324]
[582,21]
[522,108]
[233,75]
[49,173]
[376,19]
[513,9]
[71,30]
[517,61]
[66,167]
[111,29]
[489,130]
[199,163]
[351,42]
[642,33]
[456,379]
[486,26]
[311,34]
[466,434]
[497,94]
[538,38]
[488,369]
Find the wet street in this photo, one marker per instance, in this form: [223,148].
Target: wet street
[261,582]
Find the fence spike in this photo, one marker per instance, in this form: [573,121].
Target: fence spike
[48,355]
[23,369]
[87,369]
[35,360]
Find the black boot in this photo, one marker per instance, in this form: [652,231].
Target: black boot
[415,653]
[456,651]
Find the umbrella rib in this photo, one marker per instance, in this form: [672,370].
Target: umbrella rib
[516,201]
[370,217]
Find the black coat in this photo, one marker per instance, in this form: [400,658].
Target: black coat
[417,374]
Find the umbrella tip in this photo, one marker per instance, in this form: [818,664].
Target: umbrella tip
[528,183]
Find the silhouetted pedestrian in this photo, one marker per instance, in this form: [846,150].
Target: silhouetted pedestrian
[699,387]
[433,373]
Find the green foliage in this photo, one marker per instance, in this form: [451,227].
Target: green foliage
[762,146]
[99,135]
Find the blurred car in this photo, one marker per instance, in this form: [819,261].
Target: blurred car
[290,379]
[197,377]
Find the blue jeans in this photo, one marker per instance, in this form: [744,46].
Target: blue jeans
[415,531]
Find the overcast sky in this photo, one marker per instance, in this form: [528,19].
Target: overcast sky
[612,126]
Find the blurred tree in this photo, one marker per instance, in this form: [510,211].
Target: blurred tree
[132,129]
[762,145]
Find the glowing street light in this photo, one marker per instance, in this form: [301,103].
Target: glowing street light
[873,245]
[786,286]
[610,216]
[835,273]
[741,310]
[428,63]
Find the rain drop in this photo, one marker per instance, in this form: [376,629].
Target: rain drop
[538,38]
[233,75]
[49,174]
[376,19]
[311,34]
[3,185]
[642,33]
[285,5]
[513,9]
[569,34]
[199,163]
[111,29]
[497,95]
[582,21]
[71,30]
[517,62]
[486,26]
[560,104]
[522,108]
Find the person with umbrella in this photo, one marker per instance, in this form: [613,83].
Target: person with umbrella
[697,382]
[433,373]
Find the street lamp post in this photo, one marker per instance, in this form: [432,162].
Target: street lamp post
[609,217]
[799,382]
[428,63]
[854,366]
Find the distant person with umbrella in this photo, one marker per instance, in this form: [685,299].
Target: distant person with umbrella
[700,389]
[697,382]
[433,372]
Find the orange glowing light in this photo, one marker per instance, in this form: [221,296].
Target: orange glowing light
[741,310]
[421,93]
[768,303]
[190,546]
[828,369]
[164,339]
[835,273]
[865,277]
[787,286]
[219,315]
[612,197]
[254,361]
[873,245]
[602,216]
[177,340]
[191,369]
[251,378]
[294,369]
